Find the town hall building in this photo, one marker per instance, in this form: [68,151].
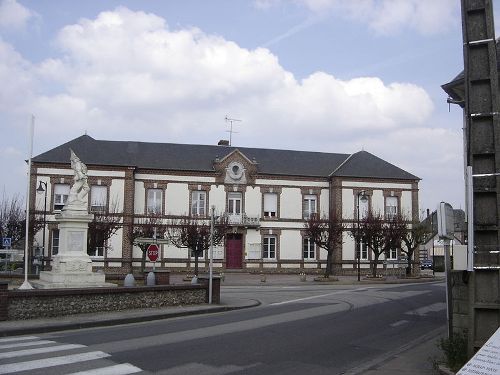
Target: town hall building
[266,194]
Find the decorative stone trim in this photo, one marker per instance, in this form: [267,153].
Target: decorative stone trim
[235,157]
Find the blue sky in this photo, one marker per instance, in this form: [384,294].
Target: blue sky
[318,75]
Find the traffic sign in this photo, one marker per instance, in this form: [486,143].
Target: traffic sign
[153,252]
[7,242]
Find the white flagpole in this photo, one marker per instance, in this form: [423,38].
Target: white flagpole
[26,284]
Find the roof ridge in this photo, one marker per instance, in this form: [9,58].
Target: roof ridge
[341,164]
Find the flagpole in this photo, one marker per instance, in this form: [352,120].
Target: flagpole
[26,284]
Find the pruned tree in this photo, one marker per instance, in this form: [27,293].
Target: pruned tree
[381,235]
[105,224]
[150,226]
[326,233]
[416,233]
[194,234]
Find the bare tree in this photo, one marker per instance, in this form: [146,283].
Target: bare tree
[416,233]
[326,233]
[105,224]
[151,226]
[12,219]
[194,234]
[381,235]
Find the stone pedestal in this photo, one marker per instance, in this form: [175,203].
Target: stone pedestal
[72,266]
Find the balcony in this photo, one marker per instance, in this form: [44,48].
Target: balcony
[243,220]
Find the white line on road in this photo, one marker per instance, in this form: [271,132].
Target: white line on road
[427,309]
[398,323]
[51,362]
[318,296]
[10,339]
[121,369]
[48,349]
[30,343]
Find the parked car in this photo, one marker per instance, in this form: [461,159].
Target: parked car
[426,264]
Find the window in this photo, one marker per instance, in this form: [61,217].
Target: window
[61,193]
[270,204]
[98,198]
[55,242]
[308,248]
[198,203]
[97,245]
[269,247]
[309,205]
[391,207]
[393,254]
[363,248]
[234,203]
[363,205]
[154,202]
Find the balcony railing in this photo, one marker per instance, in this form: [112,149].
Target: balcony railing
[243,220]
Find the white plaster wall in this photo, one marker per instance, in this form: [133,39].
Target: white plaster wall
[170,251]
[406,208]
[115,249]
[139,197]
[116,191]
[377,202]
[217,198]
[268,182]
[291,203]
[379,185]
[253,201]
[177,199]
[324,202]
[290,245]
[348,248]
[166,177]
[348,206]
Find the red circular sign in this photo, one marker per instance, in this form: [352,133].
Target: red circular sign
[153,252]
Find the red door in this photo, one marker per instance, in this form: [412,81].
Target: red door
[234,250]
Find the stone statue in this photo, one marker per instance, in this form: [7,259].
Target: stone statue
[78,194]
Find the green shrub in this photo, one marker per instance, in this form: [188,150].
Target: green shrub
[455,350]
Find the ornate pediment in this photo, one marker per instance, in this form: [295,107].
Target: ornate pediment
[236,168]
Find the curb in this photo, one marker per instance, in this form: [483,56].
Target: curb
[52,325]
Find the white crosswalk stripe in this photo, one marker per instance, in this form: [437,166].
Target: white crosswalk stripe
[15,348]
[121,369]
[47,349]
[26,343]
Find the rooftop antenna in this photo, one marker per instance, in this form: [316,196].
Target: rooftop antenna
[231,120]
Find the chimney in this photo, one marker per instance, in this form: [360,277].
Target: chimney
[223,142]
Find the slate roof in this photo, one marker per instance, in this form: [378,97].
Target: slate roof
[185,157]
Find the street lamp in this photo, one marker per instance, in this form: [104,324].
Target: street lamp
[360,196]
[42,188]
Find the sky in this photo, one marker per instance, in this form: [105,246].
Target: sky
[334,76]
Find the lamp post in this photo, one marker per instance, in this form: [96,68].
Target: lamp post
[42,188]
[360,196]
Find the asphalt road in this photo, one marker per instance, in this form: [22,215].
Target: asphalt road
[297,330]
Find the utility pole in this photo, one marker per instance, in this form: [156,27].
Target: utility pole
[482,156]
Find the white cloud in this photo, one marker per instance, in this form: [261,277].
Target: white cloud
[13,15]
[386,16]
[126,75]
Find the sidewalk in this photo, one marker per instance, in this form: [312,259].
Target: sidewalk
[412,359]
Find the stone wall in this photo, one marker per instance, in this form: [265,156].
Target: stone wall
[460,301]
[30,304]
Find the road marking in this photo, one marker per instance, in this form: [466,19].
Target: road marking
[318,296]
[51,362]
[48,349]
[398,323]
[435,307]
[121,369]
[31,343]
[10,339]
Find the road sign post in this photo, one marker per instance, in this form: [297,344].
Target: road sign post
[153,252]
